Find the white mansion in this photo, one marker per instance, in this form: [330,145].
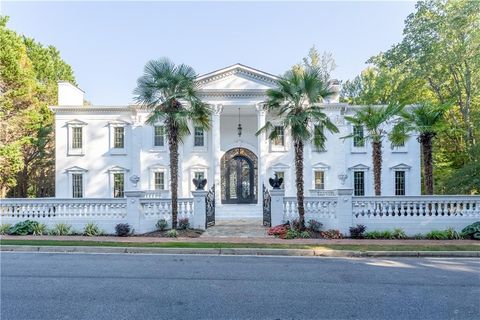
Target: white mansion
[101,151]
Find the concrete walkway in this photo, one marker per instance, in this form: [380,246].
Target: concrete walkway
[241,228]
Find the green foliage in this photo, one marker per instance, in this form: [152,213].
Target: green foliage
[437,235]
[23,228]
[304,235]
[162,224]
[314,225]
[398,233]
[472,231]
[39,229]
[122,229]
[29,73]
[92,230]
[183,224]
[172,233]
[358,232]
[5,228]
[61,229]
[292,234]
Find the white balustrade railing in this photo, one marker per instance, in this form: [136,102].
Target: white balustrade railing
[416,206]
[315,208]
[162,208]
[63,209]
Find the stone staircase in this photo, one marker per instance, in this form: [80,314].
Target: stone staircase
[242,228]
[238,211]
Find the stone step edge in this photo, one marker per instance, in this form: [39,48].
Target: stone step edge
[237,251]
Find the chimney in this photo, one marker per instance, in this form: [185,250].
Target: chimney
[69,95]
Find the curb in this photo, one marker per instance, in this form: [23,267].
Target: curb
[239,251]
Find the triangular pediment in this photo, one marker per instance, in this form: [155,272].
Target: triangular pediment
[401,166]
[236,77]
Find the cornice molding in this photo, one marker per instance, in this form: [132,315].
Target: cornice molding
[91,109]
[249,72]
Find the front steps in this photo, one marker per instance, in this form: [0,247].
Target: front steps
[241,228]
[238,211]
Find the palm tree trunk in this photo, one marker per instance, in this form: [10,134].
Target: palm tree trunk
[299,182]
[173,145]
[426,142]
[377,166]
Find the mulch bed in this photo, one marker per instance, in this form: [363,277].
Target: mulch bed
[185,233]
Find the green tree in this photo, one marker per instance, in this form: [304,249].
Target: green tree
[28,81]
[295,104]
[170,93]
[424,121]
[375,120]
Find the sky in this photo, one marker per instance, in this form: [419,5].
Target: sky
[108,43]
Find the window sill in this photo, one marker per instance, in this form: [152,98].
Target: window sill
[157,150]
[363,150]
[278,149]
[199,149]
[76,154]
[118,152]
[400,151]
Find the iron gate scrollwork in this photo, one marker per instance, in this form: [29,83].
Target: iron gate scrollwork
[210,207]
[267,208]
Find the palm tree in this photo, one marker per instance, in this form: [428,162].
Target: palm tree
[422,120]
[374,120]
[170,93]
[295,104]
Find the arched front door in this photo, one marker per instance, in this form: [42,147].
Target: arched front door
[239,180]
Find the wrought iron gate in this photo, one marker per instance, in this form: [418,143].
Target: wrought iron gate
[210,207]
[267,208]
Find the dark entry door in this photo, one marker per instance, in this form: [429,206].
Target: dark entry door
[240,180]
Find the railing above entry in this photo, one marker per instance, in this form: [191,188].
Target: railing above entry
[322,193]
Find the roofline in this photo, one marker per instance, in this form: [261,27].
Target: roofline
[233,66]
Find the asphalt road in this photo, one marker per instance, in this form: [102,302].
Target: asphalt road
[120,286]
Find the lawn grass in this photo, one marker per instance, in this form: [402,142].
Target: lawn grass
[207,245]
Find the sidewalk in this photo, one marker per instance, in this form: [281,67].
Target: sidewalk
[250,240]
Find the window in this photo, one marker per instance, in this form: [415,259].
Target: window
[118,185]
[159,180]
[280,139]
[358,137]
[320,180]
[119,137]
[359,183]
[399,183]
[318,135]
[158,136]
[77,139]
[77,185]
[199,137]
[281,174]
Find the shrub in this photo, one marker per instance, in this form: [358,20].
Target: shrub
[418,236]
[162,224]
[292,234]
[92,230]
[23,228]
[373,235]
[305,234]
[452,234]
[472,231]
[295,224]
[183,224]
[437,235]
[4,228]
[398,233]
[39,229]
[279,231]
[61,229]
[332,234]
[172,233]
[314,225]
[358,232]
[122,229]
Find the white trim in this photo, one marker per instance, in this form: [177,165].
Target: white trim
[70,125]
[111,137]
[76,170]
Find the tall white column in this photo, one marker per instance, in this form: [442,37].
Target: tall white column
[262,150]
[216,151]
